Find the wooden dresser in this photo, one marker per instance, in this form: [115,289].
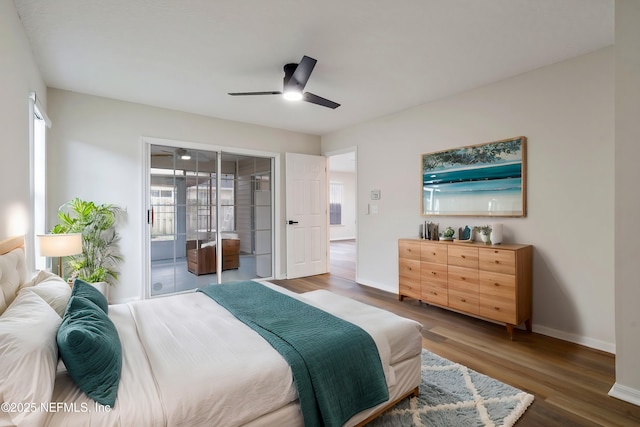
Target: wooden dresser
[491,282]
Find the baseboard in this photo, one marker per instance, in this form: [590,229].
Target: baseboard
[625,393]
[575,338]
[382,286]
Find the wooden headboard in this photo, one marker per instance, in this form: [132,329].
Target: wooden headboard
[10,244]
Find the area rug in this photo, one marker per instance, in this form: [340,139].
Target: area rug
[453,395]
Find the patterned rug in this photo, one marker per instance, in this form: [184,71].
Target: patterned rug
[453,395]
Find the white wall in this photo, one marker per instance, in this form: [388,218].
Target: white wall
[96,154]
[348,228]
[627,203]
[566,112]
[19,76]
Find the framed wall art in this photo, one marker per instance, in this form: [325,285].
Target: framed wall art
[478,180]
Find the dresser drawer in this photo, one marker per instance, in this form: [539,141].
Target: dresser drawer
[433,273]
[497,308]
[230,246]
[498,260]
[463,301]
[435,293]
[463,278]
[409,269]
[434,252]
[498,285]
[463,256]
[409,249]
[409,288]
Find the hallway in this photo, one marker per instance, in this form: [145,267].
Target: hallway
[342,259]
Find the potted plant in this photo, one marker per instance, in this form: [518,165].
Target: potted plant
[448,234]
[485,232]
[100,253]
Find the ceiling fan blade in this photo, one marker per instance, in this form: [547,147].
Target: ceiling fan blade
[273,92]
[302,73]
[315,99]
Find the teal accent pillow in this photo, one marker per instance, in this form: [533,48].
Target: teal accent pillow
[90,348]
[85,290]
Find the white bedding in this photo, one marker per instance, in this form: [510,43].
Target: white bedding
[187,361]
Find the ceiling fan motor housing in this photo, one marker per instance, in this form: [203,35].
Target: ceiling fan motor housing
[288,72]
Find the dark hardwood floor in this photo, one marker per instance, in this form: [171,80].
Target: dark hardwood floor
[570,382]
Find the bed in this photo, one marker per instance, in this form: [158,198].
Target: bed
[186,360]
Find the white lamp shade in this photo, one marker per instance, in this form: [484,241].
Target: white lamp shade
[59,245]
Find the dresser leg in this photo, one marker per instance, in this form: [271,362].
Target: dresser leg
[400,297]
[510,331]
[527,324]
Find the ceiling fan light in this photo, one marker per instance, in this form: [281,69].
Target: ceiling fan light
[292,95]
[184,155]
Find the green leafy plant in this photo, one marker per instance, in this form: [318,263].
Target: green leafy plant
[483,229]
[100,253]
[448,233]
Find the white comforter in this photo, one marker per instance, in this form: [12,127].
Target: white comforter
[187,361]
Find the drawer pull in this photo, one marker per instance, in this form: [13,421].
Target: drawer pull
[433,272]
[496,284]
[497,308]
[434,254]
[462,256]
[463,300]
[497,262]
[495,252]
[409,268]
[463,278]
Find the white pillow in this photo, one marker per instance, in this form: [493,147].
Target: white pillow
[51,288]
[29,357]
[13,273]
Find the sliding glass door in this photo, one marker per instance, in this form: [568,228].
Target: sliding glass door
[210,218]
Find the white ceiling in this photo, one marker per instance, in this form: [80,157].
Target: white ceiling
[374,57]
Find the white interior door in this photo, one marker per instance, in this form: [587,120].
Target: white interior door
[306,209]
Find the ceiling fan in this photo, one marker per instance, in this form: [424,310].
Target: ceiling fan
[179,152]
[295,79]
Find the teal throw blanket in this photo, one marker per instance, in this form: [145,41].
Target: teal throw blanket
[336,366]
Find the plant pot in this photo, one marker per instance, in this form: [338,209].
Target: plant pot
[103,287]
[485,238]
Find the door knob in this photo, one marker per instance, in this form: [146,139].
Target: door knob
[292,222]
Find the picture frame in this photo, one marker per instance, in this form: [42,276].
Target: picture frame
[486,179]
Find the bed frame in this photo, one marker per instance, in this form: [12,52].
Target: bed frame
[7,245]
[413,393]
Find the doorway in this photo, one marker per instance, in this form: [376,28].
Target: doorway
[210,217]
[343,214]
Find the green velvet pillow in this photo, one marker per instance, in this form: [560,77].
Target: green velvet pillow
[85,290]
[90,348]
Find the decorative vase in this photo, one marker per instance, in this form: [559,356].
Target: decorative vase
[496,234]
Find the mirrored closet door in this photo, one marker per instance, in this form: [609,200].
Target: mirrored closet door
[210,218]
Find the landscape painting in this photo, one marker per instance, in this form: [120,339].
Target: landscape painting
[478,180]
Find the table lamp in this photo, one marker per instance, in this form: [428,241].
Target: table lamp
[60,245]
